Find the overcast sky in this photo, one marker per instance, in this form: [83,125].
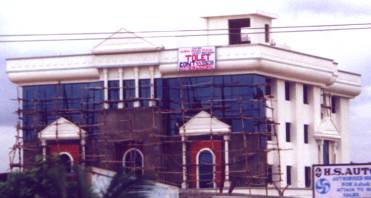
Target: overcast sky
[351,49]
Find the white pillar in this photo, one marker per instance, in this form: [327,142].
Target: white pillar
[152,87]
[184,162]
[315,105]
[227,183]
[343,127]
[334,150]
[297,135]
[320,151]
[105,88]
[43,145]
[121,89]
[280,110]
[136,84]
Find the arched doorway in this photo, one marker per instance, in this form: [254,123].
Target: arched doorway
[66,160]
[133,162]
[205,169]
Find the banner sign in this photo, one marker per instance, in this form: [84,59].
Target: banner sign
[196,58]
[342,180]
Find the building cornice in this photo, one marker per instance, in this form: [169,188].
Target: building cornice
[258,58]
[347,84]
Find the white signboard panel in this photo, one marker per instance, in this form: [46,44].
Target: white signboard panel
[342,180]
[196,58]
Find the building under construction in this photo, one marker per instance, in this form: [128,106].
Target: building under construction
[225,110]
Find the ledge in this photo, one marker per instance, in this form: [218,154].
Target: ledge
[233,59]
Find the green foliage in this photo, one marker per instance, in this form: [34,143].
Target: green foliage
[18,185]
[49,179]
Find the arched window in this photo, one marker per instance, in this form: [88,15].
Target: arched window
[205,169]
[133,162]
[66,160]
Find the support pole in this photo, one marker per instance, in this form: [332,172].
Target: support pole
[105,81]
[152,87]
[136,82]
[227,183]
[43,145]
[184,162]
[83,151]
[121,89]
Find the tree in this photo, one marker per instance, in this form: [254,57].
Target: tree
[47,179]
[50,179]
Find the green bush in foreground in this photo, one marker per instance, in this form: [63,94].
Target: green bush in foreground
[49,179]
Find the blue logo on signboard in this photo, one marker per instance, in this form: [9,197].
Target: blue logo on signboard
[323,186]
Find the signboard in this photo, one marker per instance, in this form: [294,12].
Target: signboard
[196,58]
[342,180]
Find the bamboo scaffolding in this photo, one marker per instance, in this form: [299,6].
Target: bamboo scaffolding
[185,108]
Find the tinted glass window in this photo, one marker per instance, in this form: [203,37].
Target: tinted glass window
[305,94]
[326,152]
[113,93]
[133,163]
[77,102]
[308,176]
[206,169]
[144,92]
[234,99]
[288,132]
[66,162]
[288,175]
[306,133]
[129,92]
[287,90]
[269,174]
[334,100]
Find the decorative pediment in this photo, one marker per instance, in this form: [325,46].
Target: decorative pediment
[62,129]
[204,124]
[327,130]
[124,41]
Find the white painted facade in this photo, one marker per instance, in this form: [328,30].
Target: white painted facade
[136,58]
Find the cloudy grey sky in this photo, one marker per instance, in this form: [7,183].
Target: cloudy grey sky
[349,48]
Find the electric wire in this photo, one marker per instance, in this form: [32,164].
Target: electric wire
[180,30]
[321,28]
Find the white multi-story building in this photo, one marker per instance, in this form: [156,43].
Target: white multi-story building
[227,96]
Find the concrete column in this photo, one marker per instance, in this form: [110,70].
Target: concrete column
[121,89]
[320,151]
[316,121]
[152,84]
[136,84]
[279,105]
[43,145]
[298,135]
[334,150]
[227,183]
[105,88]
[316,106]
[343,126]
[184,162]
